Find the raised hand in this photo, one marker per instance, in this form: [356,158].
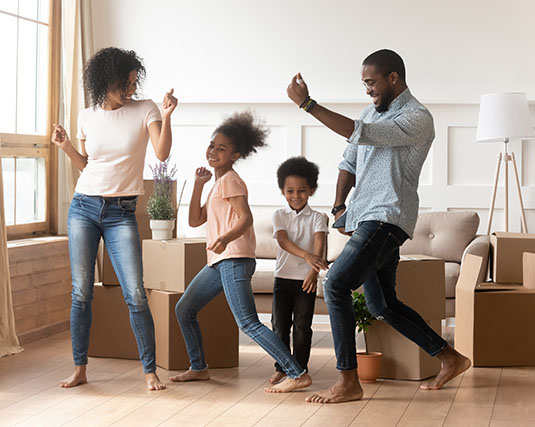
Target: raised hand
[297,89]
[60,137]
[202,175]
[169,103]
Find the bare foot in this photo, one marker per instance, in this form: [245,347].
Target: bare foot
[453,364]
[78,377]
[290,384]
[276,377]
[346,389]
[153,382]
[190,375]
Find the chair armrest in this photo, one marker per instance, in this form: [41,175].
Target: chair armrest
[480,246]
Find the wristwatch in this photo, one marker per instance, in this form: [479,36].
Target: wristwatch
[337,208]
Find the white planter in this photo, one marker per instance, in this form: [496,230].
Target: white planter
[162,229]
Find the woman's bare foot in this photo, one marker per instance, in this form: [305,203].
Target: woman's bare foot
[190,375]
[453,364]
[276,377]
[153,382]
[346,389]
[290,384]
[78,377]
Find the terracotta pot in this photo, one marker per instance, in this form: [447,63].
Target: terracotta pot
[369,366]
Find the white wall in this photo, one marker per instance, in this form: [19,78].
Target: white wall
[227,56]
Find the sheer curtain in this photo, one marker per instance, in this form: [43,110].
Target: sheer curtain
[9,343]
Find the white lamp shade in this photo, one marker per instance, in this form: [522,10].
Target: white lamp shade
[504,115]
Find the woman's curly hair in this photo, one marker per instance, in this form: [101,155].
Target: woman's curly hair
[245,133]
[110,68]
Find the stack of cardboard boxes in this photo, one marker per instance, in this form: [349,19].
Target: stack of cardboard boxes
[495,321]
[169,266]
[420,285]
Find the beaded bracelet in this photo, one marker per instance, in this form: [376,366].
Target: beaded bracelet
[310,105]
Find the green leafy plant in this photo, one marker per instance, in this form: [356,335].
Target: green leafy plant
[160,203]
[363,317]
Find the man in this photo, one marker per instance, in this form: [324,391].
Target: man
[388,146]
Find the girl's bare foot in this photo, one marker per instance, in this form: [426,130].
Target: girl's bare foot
[346,389]
[190,375]
[290,384]
[276,377]
[77,378]
[453,364]
[153,382]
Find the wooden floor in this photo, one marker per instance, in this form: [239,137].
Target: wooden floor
[116,394]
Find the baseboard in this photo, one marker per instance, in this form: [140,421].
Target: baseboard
[43,332]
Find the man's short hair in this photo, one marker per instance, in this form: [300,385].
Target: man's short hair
[386,61]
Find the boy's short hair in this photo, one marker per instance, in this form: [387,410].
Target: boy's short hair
[298,166]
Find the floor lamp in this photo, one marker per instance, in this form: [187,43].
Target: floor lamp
[505,116]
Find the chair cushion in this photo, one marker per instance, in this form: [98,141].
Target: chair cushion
[442,234]
[452,271]
[266,245]
[262,281]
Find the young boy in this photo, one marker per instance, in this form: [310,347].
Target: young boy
[301,233]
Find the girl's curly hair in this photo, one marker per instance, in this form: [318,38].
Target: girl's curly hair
[110,68]
[245,133]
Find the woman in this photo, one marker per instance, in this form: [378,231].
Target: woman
[113,133]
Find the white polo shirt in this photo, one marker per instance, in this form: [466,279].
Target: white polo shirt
[300,228]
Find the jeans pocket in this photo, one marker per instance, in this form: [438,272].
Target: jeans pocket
[390,245]
[128,205]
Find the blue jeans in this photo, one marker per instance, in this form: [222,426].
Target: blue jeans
[370,258]
[113,219]
[232,276]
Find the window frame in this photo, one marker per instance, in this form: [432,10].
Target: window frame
[23,145]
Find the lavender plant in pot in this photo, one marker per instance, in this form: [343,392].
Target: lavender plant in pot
[369,363]
[160,203]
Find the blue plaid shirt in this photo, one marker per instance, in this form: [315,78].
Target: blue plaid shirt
[386,154]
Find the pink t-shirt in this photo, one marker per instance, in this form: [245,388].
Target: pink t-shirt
[116,143]
[221,218]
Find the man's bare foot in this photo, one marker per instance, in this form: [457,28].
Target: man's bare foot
[453,364]
[346,389]
[78,377]
[190,375]
[276,377]
[153,382]
[290,384]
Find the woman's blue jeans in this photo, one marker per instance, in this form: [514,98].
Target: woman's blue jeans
[370,258]
[232,276]
[113,219]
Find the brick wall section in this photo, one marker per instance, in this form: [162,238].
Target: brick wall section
[41,286]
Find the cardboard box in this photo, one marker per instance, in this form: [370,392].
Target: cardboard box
[420,284]
[218,327]
[507,250]
[170,265]
[111,334]
[494,323]
[528,268]
[402,359]
[105,272]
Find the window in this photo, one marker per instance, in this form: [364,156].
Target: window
[29,30]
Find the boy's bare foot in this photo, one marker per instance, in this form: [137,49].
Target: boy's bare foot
[290,384]
[276,377]
[453,364]
[190,375]
[346,389]
[78,377]
[153,382]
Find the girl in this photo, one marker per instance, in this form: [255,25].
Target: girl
[231,253]
[113,136]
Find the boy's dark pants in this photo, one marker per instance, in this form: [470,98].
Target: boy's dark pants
[293,306]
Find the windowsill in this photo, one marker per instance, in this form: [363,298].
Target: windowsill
[35,241]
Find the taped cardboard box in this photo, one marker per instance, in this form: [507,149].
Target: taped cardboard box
[420,285]
[218,327]
[507,252]
[494,323]
[402,359]
[170,265]
[112,336]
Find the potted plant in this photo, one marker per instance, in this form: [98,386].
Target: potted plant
[369,363]
[160,203]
